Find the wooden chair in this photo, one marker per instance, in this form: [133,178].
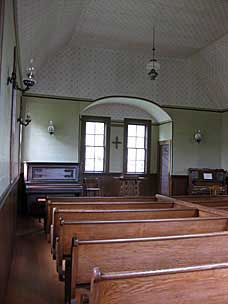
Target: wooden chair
[92,187]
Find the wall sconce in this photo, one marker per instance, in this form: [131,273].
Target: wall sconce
[28,81]
[51,128]
[25,122]
[198,137]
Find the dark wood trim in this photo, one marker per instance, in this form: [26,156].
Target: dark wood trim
[13,118]
[147,144]
[17,42]
[163,107]
[2,17]
[107,122]
[191,109]
[44,96]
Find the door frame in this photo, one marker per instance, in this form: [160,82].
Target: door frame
[160,143]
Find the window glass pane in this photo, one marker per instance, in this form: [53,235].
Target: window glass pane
[99,153]
[131,142]
[89,152]
[89,164]
[131,154]
[90,140]
[94,146]
[99,128]
[140,166]
[90,127]
[131,166]
[99,140]
[99,165]
[131,130]
[140,142]
[140,131]
[140,154]
[136,145]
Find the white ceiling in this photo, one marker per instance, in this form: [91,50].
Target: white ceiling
[57,29]
[182,26]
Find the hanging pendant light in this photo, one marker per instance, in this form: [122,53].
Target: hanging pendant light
[153,66]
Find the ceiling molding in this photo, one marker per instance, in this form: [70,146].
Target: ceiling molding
[45,96]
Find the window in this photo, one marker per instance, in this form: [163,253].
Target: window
[137,146]
[95,143]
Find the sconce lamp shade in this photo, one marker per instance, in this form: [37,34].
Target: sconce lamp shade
[198,137]
[51,128]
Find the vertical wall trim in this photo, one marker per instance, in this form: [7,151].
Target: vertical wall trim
[18,54]
[2,17]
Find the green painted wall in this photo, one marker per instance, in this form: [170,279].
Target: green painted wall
[40,146]
[186,152]
[224,154]
[165,131]
[9,42]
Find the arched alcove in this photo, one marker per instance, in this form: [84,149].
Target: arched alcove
[119,108]
[158,115]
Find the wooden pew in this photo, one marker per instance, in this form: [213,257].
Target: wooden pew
[68,199]
[206,201]
[103,205]
[88,230]
[141,254]
[188,285]
[131,214]
[196,198]
[189,204]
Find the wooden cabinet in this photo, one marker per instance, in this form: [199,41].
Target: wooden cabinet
[207,181]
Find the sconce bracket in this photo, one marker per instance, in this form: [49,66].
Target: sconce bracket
[12,80]
[24,123]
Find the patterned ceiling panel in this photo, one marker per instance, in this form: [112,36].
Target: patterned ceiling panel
[183,26]
[95,48]
[94,73]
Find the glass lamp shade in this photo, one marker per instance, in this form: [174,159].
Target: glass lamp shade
[152,68]
[153,64]
[198,136]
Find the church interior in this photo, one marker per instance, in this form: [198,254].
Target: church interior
[113,151]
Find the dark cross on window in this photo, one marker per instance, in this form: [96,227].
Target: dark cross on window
[116,142]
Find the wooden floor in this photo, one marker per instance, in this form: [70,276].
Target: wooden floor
[33,278]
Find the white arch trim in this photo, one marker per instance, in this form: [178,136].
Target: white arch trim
[157,114]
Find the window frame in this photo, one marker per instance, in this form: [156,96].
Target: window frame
[147,145]
[107,123]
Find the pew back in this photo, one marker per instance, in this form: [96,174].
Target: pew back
[192,285]
[95,230]
[103,206]
[146,253]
